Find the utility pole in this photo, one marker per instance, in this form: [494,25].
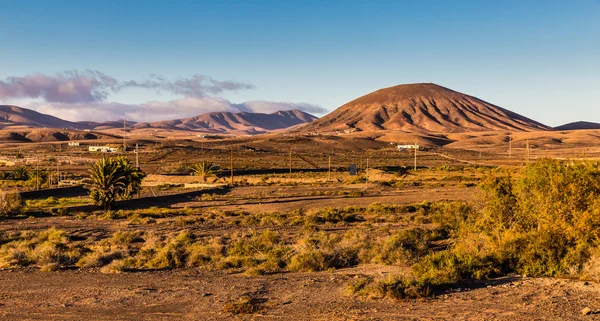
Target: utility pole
[137,157]
[361,163]
[416,147]
[329,173]
[527,147]
[231,166]
[367,174]
[329,168]
[57,171]
[37,172]
[290,160]
[124,134]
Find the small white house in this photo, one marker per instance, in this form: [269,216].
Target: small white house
[103,149]
[73,143]
[403,147]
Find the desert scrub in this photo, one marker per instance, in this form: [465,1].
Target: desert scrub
[402,288]
[335,215]
[159,253]
[191,220]
[395,287]
[152,212]
[361,286]
[168,186]
[407,246]
[54,202]
[119,245]
[184,249]
[264,252]
[246,304]
[271,219]
[10,203]
[321,251]
[542,221]
[48,250]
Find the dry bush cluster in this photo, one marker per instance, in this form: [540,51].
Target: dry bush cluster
[251,252]
[542,221]
[10,203]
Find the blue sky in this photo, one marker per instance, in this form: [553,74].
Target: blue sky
[537,58]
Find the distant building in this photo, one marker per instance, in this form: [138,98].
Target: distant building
[103,149]
[403,147]
[73,143]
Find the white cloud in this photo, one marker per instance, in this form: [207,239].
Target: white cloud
[158,110]
[66,87]
[78,96]
[94,86]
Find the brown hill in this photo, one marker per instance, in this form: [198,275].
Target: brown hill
[235,123]
[50,135]
[17,117]
[421,108]
[578,125]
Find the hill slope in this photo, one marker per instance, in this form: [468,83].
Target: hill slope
[578,125]
[13,118]
[237,123]
[422,108]
[17,117]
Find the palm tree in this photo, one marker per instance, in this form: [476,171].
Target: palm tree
[20,173]
[38,178]
[133,177]
[106,182]
[112,179]
[203,169]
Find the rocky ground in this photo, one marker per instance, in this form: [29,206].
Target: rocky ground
[206,295]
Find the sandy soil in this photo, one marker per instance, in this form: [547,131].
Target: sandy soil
[203,295]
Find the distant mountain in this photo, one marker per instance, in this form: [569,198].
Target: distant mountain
[50,135]
[105,125]
[578,125]
[235,123]
[12,117]
[421,108]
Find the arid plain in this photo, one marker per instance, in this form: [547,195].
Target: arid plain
[280,229]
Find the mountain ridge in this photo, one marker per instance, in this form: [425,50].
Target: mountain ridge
[241,122]
[578,125]
[14,117]
[422,107]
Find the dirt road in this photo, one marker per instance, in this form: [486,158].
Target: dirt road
[203,295]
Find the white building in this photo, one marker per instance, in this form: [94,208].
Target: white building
[403,147]
[103,149]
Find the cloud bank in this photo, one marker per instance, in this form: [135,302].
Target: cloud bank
[195,86]
[162,110]
[83,95]
[95,86]
[65,87]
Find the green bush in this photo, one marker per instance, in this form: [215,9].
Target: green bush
[543,221]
